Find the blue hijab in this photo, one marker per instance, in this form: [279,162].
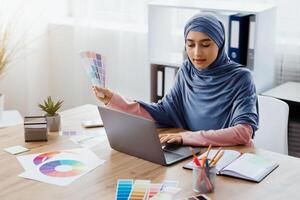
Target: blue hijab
[220,96]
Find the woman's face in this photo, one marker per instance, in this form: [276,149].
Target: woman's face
[201,49]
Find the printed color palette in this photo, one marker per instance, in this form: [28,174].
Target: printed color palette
[94,67]
[123,189]
[44,157]
[143,189]
[154,189]
[72,167]
[140,190]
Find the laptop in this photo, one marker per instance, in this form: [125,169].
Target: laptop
[138,137]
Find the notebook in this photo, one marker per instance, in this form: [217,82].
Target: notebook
[247,166]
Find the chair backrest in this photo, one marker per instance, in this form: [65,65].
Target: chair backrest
[273,125]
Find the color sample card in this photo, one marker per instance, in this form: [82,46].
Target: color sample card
[167,184]
[154,189]
[59,167]
[15,149]
[94,67]
[140,190]
[70,133]
[127,189]
[89,139]
[124,188]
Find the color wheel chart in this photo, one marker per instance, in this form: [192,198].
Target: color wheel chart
[59,167]
[44,157]
[63,168]
[94,67]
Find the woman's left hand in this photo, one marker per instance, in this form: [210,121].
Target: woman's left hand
[170,138]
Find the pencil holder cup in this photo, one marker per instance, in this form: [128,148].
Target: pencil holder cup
[204,179]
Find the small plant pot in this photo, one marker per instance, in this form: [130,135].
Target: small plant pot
[53,123]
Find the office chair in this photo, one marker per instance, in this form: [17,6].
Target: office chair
[273,125]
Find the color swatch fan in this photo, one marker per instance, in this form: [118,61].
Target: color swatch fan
[94,67]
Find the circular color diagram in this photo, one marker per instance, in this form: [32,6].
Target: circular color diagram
[44,156]
[54,168]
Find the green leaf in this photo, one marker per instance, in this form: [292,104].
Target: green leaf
[50,106]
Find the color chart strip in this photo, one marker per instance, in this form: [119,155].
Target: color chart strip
[154,189]
[140,190]
[123,189]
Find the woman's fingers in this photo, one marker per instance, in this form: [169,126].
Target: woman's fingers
[164,139]
[162,135]
[101,89]
[170,138]
[103,94]
[98,94]
[173,140]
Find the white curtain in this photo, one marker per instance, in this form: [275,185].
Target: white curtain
[117,29]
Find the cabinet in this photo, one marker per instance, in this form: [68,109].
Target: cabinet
[166,20]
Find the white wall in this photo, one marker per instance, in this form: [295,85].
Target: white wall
[26,81]
[125,53]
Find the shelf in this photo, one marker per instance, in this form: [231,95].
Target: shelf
[168,59]
[215,5]
[165,39]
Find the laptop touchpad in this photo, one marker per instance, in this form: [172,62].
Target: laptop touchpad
[178,149]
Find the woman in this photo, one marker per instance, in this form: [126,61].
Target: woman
[213,98]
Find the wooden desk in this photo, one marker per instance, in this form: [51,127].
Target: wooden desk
[283,183]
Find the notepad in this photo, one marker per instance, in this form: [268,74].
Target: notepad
[247,166]
[16,149]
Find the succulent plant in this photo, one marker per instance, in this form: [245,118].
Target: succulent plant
[51,107]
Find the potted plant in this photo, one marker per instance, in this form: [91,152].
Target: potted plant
[5,55]
[53,118]
[8,53]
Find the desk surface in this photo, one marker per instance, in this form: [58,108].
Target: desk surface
[288,91]
[283,183]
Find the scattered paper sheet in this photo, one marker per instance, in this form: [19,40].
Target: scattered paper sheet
[59,167]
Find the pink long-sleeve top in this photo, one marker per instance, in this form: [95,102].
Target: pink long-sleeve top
[240,134]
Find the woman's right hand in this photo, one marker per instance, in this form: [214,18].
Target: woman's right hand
[103,94]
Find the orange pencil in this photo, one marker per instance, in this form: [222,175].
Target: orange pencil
[220,154]
[203,161]
[208,150]
[215,155]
